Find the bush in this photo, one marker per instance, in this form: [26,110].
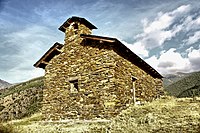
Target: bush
[6,128]
[1,107]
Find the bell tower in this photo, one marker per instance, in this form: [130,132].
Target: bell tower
[74,27]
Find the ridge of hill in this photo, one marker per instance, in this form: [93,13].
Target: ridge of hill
[188,86]
[4,84]
[172,78]
[36,82]
[21,100]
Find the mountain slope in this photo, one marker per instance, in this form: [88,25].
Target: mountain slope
[4,84]
[189,86]
[21,100]
[172,78]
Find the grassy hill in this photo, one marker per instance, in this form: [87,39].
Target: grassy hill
[36,82]
[172,78]
[189,86]
[4,84]
[21,100]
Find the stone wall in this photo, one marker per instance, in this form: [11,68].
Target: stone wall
[20,104]
[104,80]
[147,88]
[93,73]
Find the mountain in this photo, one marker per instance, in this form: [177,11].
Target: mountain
[21,100]
[4,84]
[171,78]
[188,86]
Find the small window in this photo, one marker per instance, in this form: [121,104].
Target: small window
[75,26]
[133,78]
[74,86]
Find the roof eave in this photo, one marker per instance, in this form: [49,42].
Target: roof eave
[45,56]
[77,19]
[150,70]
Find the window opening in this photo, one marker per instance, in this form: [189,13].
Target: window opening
[74,85]
[75,26]
[133,89]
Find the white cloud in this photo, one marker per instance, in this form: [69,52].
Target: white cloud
[161,22]
[194,58]
[193,22]
[193,53]
[176,61]
[153,61]
[16,75]
[171,61]
[190,23]
[182,9]
[197,21]
[138,49]
[194,38]
[156,32]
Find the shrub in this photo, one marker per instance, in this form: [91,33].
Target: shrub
[6,128]
[1,107]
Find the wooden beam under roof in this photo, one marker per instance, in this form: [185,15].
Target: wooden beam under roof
[105,39]
[44,62]
[100,39]
[54,50]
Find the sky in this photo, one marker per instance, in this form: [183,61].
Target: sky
[165,33]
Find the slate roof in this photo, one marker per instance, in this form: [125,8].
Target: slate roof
[76,19]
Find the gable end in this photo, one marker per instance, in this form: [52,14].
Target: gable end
[44,60]
[126,53]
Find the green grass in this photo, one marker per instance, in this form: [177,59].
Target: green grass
[31,106]
[165,115]
[37,82]
[186,87]
[161,116]
[7,128]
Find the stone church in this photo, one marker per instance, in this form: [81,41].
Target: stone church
[93,76]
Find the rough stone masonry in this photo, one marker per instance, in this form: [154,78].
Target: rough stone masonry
[92,76]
